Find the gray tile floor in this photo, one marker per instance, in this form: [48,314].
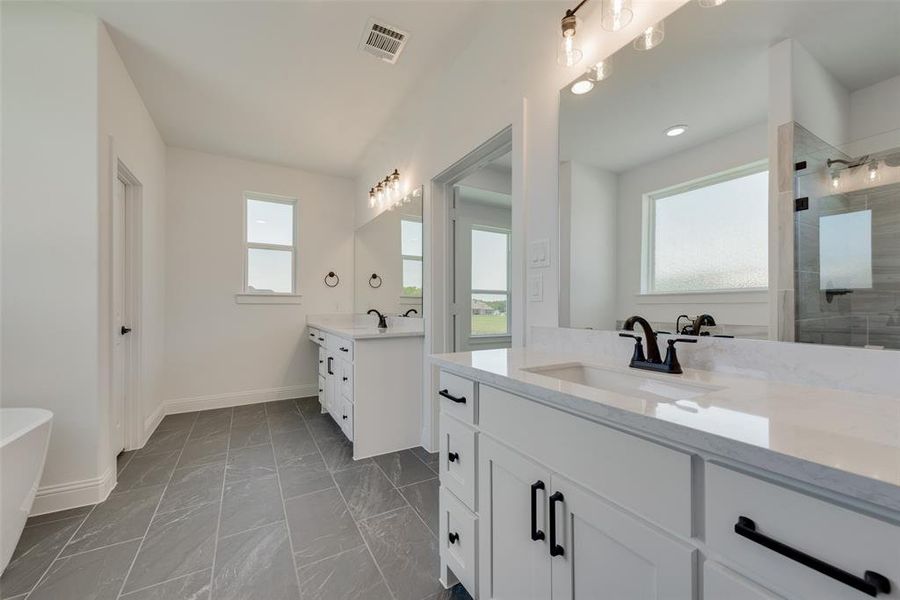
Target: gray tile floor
[256,502]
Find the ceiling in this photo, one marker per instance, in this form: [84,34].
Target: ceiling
[279,82]
[711,73]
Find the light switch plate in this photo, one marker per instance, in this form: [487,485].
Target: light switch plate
[536,287]
[539,254]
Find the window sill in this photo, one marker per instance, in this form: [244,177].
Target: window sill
[752,296]
[244,298]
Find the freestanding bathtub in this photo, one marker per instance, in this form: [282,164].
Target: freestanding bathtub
[24,438]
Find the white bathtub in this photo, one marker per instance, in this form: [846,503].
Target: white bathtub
[24,437]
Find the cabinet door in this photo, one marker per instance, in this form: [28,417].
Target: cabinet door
[606,554]
[512,565]
[720,583]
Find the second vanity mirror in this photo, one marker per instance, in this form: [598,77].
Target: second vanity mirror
[388,260]
[697,177]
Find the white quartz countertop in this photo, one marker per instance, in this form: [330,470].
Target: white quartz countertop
[846,442]
[366,328]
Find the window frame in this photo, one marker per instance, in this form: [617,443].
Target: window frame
[507,292]
[420,258]
[648,229]
[248,245]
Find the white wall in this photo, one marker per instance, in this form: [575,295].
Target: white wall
[490,178]
[592,198]
[216,350]
[50,222]
[875,118]
[730,151]
[128,132]
[821,104]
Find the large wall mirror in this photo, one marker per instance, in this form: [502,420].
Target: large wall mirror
[388,256]
[739,178]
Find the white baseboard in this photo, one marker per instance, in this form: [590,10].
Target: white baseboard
[73,494]
[182,405]
[151,423]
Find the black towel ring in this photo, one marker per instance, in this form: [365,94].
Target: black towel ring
[375,281]
[332,276]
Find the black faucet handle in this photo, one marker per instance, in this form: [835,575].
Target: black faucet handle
[638,356]
[684,340]
[671,360]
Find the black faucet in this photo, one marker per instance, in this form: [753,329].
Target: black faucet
[694,326]
[382,321]
[652,362]
[412,310]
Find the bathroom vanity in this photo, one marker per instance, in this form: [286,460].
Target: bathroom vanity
[370,379]
[566,476]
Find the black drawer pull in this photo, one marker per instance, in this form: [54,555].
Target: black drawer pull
[446,394]
[453,537]
[555,549]
[345,378]
[344,417]
[321,339]
[536,534]
[328,368]
[452,456]
[343,350]
[871,583]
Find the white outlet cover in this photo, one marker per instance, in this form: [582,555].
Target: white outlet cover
[536,287]
[539,254]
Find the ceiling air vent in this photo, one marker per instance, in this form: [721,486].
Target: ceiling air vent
[384,41]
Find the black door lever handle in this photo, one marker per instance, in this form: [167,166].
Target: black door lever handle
[125,330]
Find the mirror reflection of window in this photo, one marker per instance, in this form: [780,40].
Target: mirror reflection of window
[411,251]
[845,251]
[710,236]
[490,282]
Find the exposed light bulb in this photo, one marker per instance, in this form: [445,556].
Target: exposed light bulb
[372,198]
[582,86]
[711,3]
[569,53]
[872,174]
[836,180]
[651,37]
[615,14]
[602,70]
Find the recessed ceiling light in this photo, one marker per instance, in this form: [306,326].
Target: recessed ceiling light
[582,86]
[676,130]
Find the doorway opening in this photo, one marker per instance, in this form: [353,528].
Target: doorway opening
[124,418]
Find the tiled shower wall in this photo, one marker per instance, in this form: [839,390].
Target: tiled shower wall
[862,317]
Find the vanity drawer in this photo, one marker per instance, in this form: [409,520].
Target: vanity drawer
[648,479]
[839,537]
[323,357]
[313,335]
[458,539]
[346,379]
[458,461]
[458,397]
[720,583]
[344,349]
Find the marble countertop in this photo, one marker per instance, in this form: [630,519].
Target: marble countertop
[846,442]
[363,327]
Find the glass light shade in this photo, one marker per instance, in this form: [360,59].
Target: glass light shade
[651,37]
[569,54]
[711,3]
[872,172]
[602,70]
[615,14]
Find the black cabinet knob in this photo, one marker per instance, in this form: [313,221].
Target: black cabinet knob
[453,537]
[452,456]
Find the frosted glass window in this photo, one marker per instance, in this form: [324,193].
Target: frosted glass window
[845,251]
[411,255]
[270,222]
[411,237]
[490,256]
[270,246]
[711,237]
[269,271]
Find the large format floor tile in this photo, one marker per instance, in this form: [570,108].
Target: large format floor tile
[255,565]
[97,574]
[257,502]
[351,575]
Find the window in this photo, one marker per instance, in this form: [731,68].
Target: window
[411,251]
[490,282]
[710,235]
[270,244]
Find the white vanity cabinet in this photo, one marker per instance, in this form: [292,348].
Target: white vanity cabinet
[559,507]
[371,386]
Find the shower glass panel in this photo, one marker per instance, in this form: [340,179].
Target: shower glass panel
[846,246]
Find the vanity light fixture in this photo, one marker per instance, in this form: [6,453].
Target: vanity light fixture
[676,130]
[651,37]
[711,3]
[615,14]
[386,191]
[395,180]
[582,86]
[602,70]
[569,54]
[372,198]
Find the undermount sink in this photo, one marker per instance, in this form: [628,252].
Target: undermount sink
[622,383]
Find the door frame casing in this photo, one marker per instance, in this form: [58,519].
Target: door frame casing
[131,417]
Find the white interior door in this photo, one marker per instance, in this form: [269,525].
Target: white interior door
[121,318]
